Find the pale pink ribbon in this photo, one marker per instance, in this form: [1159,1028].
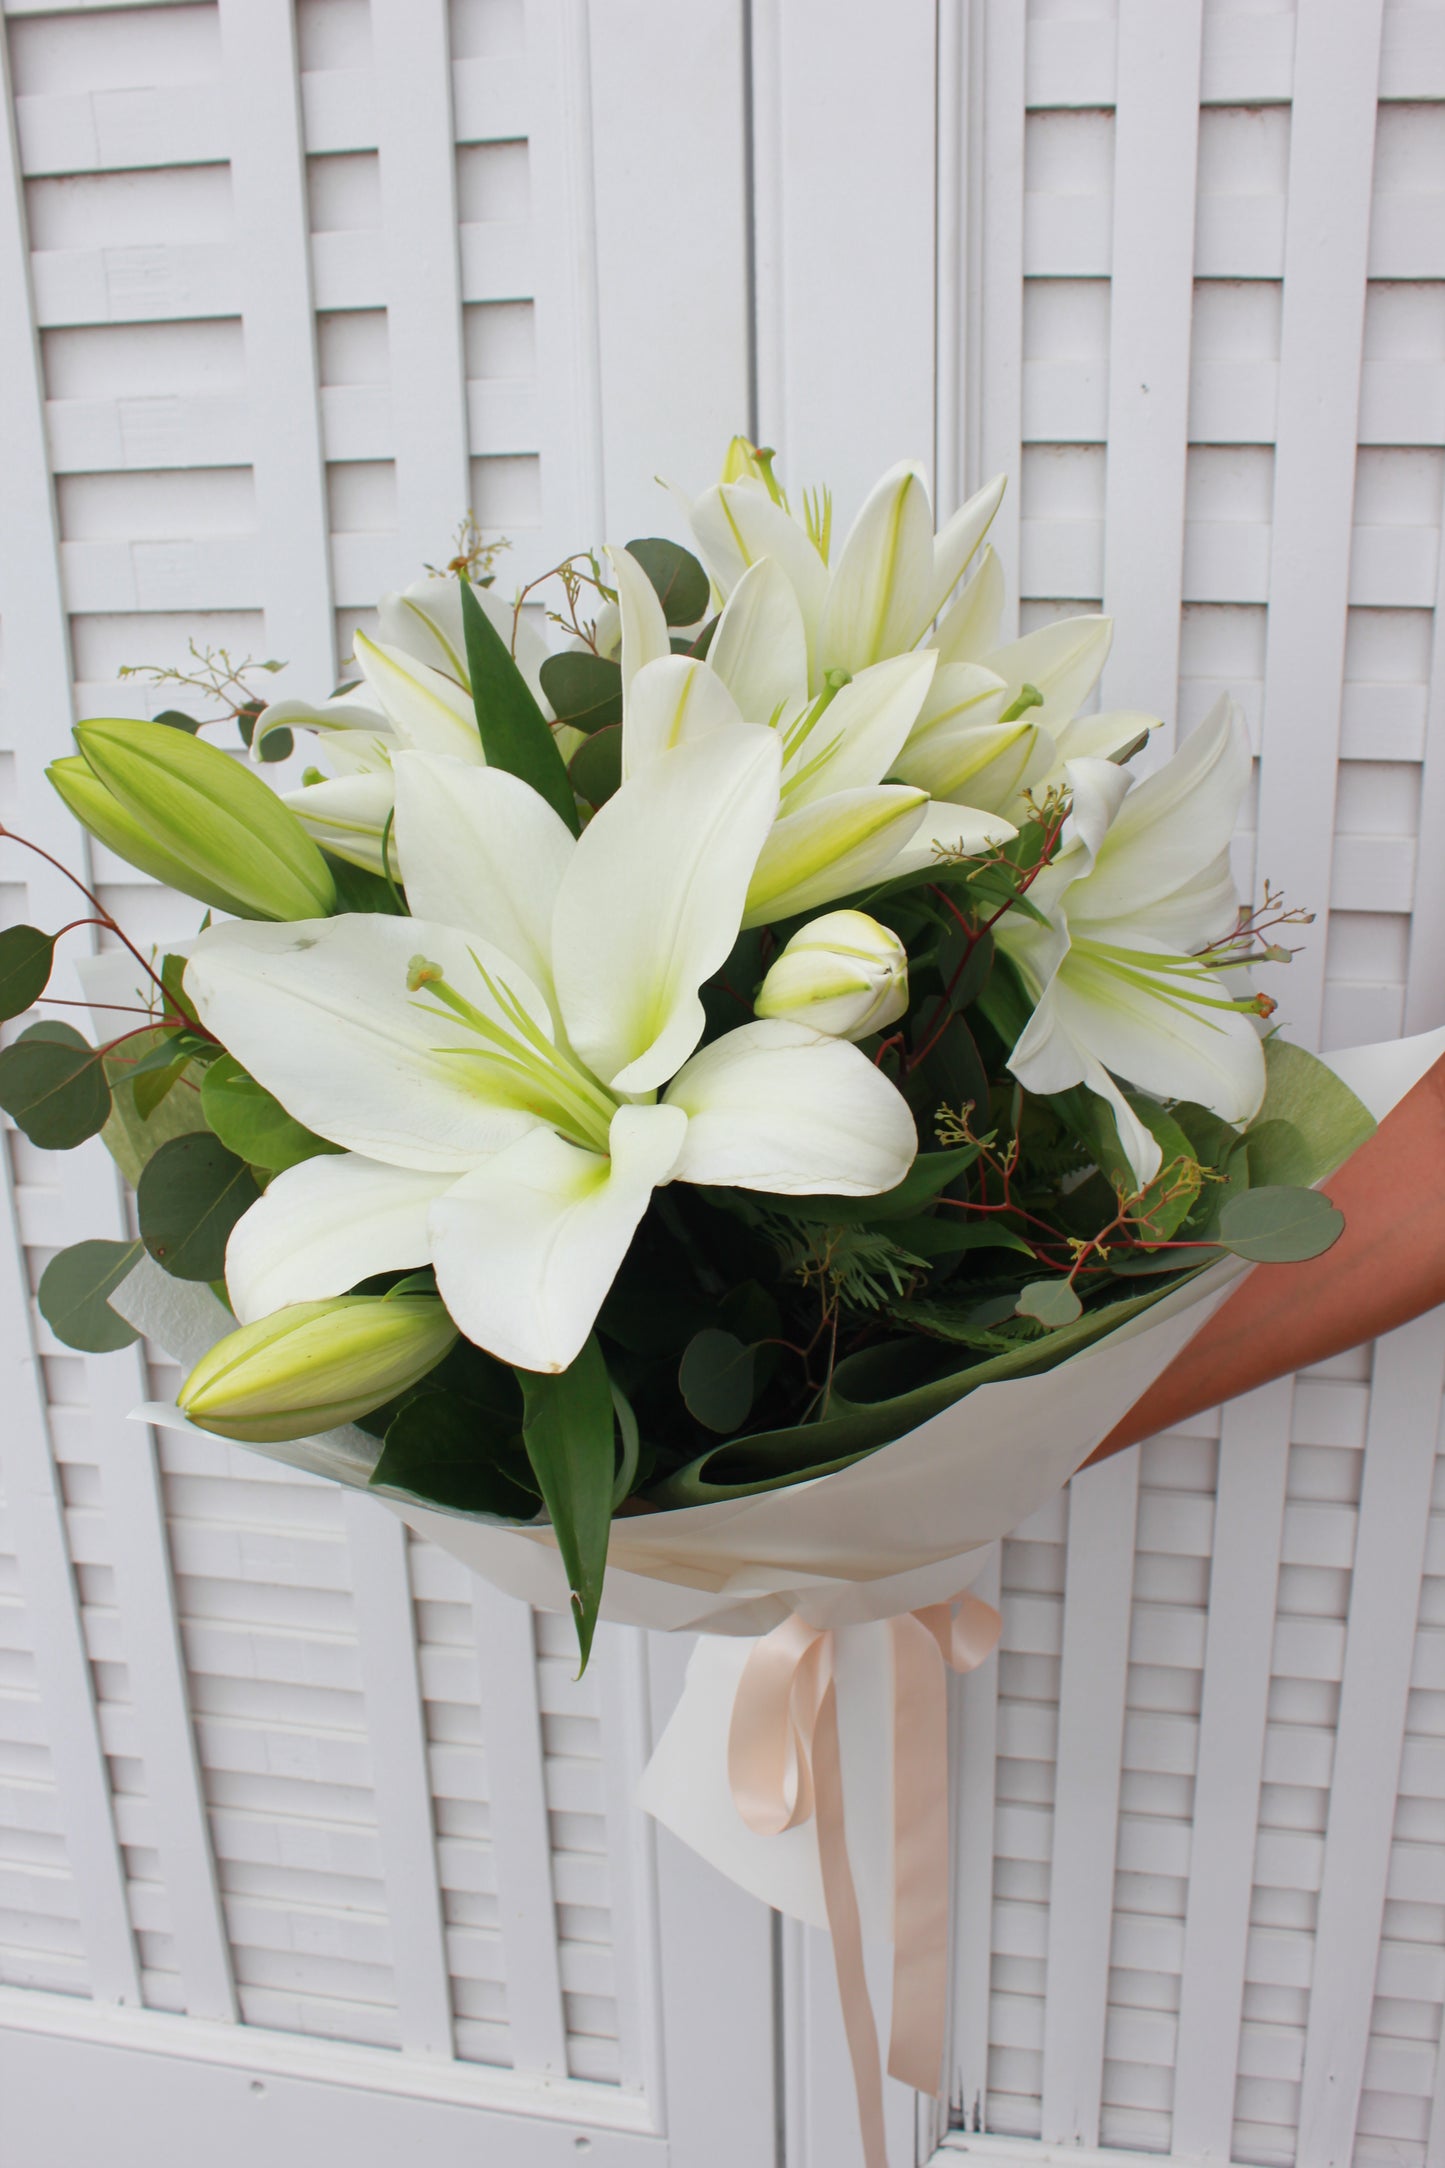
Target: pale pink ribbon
[784,1765]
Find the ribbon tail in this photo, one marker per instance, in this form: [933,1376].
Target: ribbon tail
[846,1929]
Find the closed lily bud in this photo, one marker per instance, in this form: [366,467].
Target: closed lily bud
[108,821]
[211,826]
[843,974]
[316,1364]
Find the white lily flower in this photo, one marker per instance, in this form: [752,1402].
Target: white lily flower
[1140,886]
[843,973]
[414,693]
[492,1067]
[839,825]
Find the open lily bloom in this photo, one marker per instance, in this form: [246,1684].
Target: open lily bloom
[1140,886]
[414,693]
[514,1070]
[839,824]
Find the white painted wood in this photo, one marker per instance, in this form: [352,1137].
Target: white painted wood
[1399,1472]
[1331,148]
[1151,296]
[387,1637]
[621,1656]
[512,1731]
[1097,1601]
[1243,1589]
[975,1750]
[999,129]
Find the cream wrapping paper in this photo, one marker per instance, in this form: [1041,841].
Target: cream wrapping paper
[907,1526]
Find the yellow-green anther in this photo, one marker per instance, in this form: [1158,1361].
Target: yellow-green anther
[315,1365]
[221,832]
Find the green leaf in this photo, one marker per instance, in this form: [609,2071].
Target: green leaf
[250,1123]
[929,1175]
[26,955]
[1278,1225]
[73,1295]
[1305,1091]
[151,1081]
[945,1236]
[715,1378]
[1278,1155]
[129,1136]
[442,1449]
[52,1085]
[358,890]
[176,719]
[173,979]
[585,690]
[567,1432]
[596,770]
[515,733]
[275,745]
[678,580]
[190,1196]
[1051,1302]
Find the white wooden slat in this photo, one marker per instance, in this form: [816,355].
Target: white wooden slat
[1332,135]
[422,274]
[1243,1581]
[675,379]
[1097,1597]
[1425,985]
[1151,301]
[959,214]
[1399,1471]
[268,185]
[512,1729]
[386,1632]
[37,682]
[620,1655]
[975,1754]
[845,239]
[998,119]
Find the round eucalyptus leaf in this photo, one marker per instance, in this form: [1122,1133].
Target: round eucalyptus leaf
[1278,1225]
[52,1085]
[190,1196]
[596,768]
[715,1378]
[584,690]
[74,1291]
[1050,1302]
[26,955]
[678,580]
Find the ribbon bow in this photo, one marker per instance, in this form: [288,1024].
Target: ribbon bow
[784,1766]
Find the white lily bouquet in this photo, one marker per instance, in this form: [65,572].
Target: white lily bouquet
[765,1087]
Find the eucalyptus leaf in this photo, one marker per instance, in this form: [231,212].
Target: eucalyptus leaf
[515,733]
[1304,1091]
[73,1295]
[1277,1153]
[52,1085]
[150,1085]
[926,1179]
[596,768]
[177,719]
[130,1136]
[585,690]
[1279,1225]
[441,1449]
[190,1196]
[568,1435]
[678,580]
[26,956]
[251,1123]
[715,1378]
[1050,1302]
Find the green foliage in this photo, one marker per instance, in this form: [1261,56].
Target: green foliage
[678,580]
[568,1435]
[1303,1091]
[190,1196]
[1279,1226]
[250,1123]
[133,1133]
[52,1085]
[1050,1302]
[715,1378]
[514,732]
[26,956]
[585,690]
[596,768]
[930,1174]
[74,1291]
[447,1451]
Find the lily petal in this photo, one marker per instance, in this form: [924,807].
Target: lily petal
[985,764]
[1062,661]
[957,540]
[428,710]
[347,816]
[736,524]
[859,735]
[425,621]
[356,710]
[831,848]
[969,629]
[527,1245]
[949,832]
[671,702]
[323,1226]
[760,647]
[777,1107]
[879,596]
[481,850]
[1174,823]
[1102,737]
[319,1012]
[650,905]
[645,637]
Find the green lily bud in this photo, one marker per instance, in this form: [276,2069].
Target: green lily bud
[316,1364]
[213,827]
[107,820]
[843,974]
